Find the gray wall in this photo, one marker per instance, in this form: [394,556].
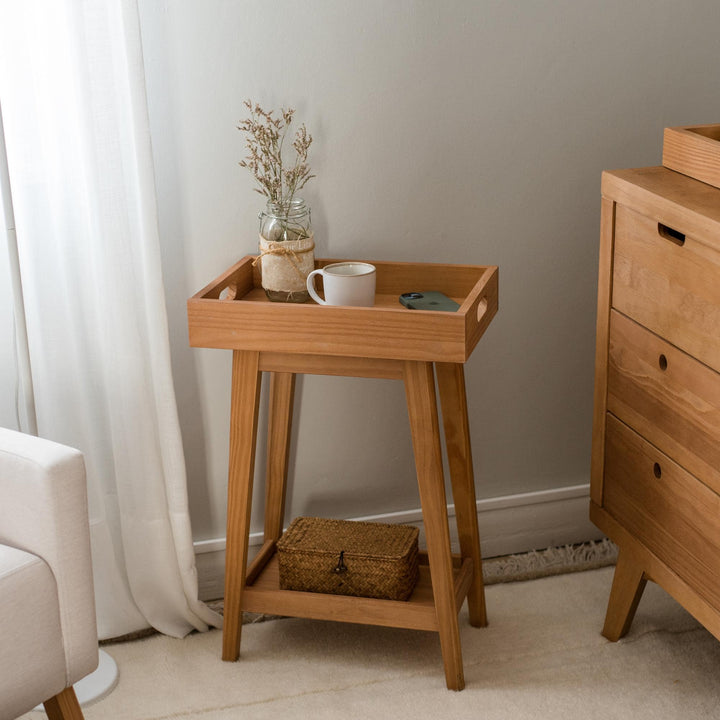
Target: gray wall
[466,132]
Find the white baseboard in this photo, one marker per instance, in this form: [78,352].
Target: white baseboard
[508,525]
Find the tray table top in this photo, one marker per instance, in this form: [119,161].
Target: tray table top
[232,312]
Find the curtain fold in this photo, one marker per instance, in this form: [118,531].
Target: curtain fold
[73,97]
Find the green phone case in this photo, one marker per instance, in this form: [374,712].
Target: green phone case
[428,300]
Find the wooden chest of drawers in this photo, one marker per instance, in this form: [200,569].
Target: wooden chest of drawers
[655,486]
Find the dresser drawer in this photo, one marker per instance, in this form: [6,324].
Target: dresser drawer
[668,282]
[664,507]
[665,395]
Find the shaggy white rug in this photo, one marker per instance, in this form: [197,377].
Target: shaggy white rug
[542,656]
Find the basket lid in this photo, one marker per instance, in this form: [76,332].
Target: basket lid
[324,535]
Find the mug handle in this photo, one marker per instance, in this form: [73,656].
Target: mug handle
[311,287]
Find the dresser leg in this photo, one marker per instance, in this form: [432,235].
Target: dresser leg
[627,589]
[245,398]
[282,392]
[451,384]
[422,411]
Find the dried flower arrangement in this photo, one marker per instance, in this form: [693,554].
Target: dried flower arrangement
[265,138]
[286,241]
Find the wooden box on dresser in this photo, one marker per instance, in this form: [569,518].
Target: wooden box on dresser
[655,488]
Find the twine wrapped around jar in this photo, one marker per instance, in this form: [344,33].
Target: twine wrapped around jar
[285,265]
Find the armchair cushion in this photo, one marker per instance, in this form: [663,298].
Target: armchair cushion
[32,658]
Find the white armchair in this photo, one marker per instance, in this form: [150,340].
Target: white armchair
[48,630]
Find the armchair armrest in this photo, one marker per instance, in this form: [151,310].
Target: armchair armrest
[43,510]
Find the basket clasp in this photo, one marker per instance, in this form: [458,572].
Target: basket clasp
[341,567]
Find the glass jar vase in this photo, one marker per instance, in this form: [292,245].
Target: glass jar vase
[286,250]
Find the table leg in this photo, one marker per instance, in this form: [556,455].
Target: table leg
[627,589]
[63,706]
[282,392]
[422,411]
[245,398]
[451,384]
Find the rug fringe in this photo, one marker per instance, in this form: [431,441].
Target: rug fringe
[551,561]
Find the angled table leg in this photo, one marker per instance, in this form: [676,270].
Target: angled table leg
[282,391]
[63,706]
[451,385]
[422,411]
[627,588]
[245,398]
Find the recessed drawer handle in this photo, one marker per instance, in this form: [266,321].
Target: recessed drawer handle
[672,235]
[662,362]
[657,470]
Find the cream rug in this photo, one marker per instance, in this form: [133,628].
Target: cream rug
[542,656]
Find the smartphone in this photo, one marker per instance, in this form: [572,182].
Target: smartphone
[428,300]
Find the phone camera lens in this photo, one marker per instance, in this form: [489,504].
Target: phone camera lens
[412,295]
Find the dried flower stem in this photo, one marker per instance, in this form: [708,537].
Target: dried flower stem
[265,137]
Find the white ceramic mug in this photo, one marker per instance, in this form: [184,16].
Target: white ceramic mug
[345,283]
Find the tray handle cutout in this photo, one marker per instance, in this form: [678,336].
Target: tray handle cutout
[229,292]
[482,308]
[675,236]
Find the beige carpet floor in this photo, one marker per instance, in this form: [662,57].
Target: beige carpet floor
[542,656]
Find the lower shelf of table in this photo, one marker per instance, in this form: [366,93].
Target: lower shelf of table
[263,595]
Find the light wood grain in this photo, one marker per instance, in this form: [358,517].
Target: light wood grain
[332,365]
[658,571]
[416,613]
[259,562]
[656,456]
[422,410]
[463,581]
[629,582]
[238,280]
[245,398]
[451,386]
[664,507]
[693,151]
[672,290]
[387,341]
[341,331]
[280,412]
[607,230]
[63,706]
[673,199]
[387,330]
[480,306]
[667,396]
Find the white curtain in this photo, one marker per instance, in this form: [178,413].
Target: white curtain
[73,98]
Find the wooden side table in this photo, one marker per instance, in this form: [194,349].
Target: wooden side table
[385,341]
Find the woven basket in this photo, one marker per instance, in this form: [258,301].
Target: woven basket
[343,557]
